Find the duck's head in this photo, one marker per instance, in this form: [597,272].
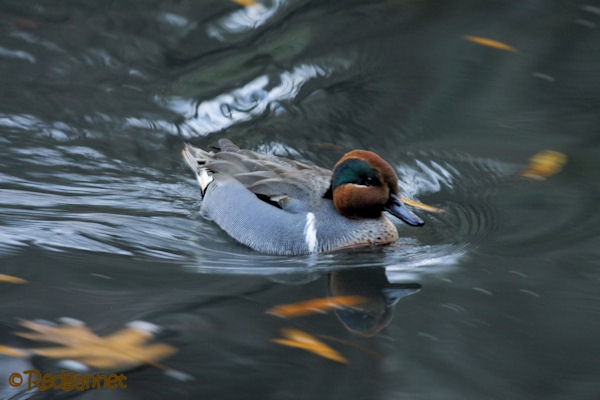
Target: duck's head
[364,185]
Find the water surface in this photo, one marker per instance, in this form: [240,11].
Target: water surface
[99,213]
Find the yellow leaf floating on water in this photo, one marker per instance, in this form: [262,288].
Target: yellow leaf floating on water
[490,43]
[544,164]
[245,3]
[313,306]
[421,206]
[124,349]
[13,352]
[11,279]
[302,340]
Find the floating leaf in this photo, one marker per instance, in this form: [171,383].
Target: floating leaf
[13,352]
[421,206]
[313,306]
[490,43]
[11,279]
[126,348]
[71,332]
[544,164]
[302,340]
[245,3]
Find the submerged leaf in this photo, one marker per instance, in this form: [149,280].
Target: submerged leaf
[13,352]
[313,306]
[544,164]
[490,43]
[302,340]
[421,206]
[69,333]
[126,348]
[11,279]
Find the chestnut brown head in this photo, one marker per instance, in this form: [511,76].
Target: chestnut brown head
[364,185]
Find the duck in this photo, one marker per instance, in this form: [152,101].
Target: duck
[280,206]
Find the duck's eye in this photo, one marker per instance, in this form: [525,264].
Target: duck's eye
[371,180]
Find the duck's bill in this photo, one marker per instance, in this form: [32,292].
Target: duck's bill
[396,207]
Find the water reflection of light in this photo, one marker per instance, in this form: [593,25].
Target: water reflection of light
[153,124]
[23,121]
[426,178]
[430,260]
[403,261]
[278,149]
[176,20]
[451,171]
[243,20]
[18,54]
[56,130]
[244,103]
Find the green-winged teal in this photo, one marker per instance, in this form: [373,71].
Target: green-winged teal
[279,206]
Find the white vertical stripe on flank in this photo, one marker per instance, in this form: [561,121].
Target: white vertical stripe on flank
[310,233]
[204,179]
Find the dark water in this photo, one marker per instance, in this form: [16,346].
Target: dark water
[99,213]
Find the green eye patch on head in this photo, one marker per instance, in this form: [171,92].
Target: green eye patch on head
[355,171]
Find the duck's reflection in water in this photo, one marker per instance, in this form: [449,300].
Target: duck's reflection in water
[380,297]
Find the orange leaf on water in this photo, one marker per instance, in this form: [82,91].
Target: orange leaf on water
[245,3]
[11,279]
[490,43]
[544,164]
[13,352]
[314,306]
[421,206]
[127,348]
[302,340]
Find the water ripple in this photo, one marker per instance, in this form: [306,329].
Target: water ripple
[243,20]
[458,183]
[406,259]
[17,54]
[77,197]
[74,197]
[249,101]
[462,185]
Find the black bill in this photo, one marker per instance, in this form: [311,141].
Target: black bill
[396,207]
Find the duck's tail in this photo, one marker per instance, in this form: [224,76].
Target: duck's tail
[196,158]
